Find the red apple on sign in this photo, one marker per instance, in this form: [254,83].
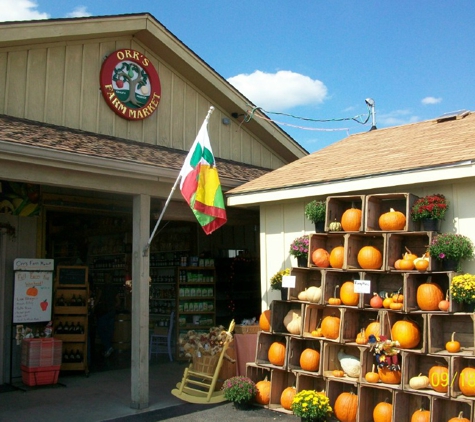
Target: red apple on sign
[44,305]
[120,83]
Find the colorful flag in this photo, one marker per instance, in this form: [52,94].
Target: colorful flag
[200,184]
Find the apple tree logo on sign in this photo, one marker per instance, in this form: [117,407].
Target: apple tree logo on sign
[130,84]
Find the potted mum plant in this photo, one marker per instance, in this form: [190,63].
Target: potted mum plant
[299,249]
[276,282]
[462,290]
[450,249]
[311,405]
[430,210]
[239,390]
[315,212]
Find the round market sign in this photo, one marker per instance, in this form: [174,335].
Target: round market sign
[130,84]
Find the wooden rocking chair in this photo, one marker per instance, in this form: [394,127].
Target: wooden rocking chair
[200,378]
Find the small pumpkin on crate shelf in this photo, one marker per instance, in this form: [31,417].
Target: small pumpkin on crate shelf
[372,376]
[392,220]
[335,226]
[407,333]
[420,415]
[335,300]
[428,296]
[347,294]
[452,346]
[361,337]
[321,258]
[337,257]
[444,304]
[312,294]
[293,321]
[376,301]
[351,219]
[419,382]
[459,418]
[369,258]
[383,412]
[466,384]
[346,407]
[263,392]
[310,360]
[264,320]
[276,353]
[338,373]
[437,375]
[331,327]
[287,397]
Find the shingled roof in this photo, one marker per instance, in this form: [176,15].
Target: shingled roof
[378,152]
[59,138]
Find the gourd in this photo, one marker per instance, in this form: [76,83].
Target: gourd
[383,412]
[389,377]
[452,346]
[350,364]
[335,300]
[337,257]
[444,304]
[276,353]
[459,418]
[310,360]
[293,321]
[287,396]
[369,258]
[351,220]
[376,301]
[264,320]
[466,384]
[361,337]
[407,333]
[331,327]
[346,407]
[348,295]
[321,258]
[429,296]
[338,373]
[387,302]
[409,255]
[421,264]
[372,377]
[335,226]
[419,382]
[396,306]
[439,378]
[263,392]
[312,294]
[392,220]
[421,415]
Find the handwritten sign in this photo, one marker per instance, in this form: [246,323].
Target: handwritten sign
[72,275]
[33,264]
[32,296]
[362,286]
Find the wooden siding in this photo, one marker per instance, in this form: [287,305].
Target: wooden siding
[58,83]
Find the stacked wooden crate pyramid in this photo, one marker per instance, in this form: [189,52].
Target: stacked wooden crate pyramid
[436,327]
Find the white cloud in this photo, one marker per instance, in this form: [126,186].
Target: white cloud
[78,12]
[20,10]
[431,100]
[396,118]
[280,91]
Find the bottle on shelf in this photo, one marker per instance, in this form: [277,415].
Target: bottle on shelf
[60,328]
[61,301]
[73,301]
[66,328]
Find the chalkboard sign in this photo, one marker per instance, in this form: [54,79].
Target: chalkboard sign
[71,275]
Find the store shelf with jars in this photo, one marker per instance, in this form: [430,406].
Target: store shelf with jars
[70,316]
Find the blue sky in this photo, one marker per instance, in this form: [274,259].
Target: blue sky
[317,59]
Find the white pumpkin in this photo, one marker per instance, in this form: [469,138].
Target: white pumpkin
[312,294]
[350,364]
[419,382]
[293,321]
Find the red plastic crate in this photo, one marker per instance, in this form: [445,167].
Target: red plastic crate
[41,352]
[40,376]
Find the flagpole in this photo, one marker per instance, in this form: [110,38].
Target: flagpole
[147,246]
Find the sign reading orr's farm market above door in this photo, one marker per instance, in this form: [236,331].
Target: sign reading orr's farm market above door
[130,84]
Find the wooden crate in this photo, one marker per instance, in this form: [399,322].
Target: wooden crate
[369,396]
[335,387]
[264,341]
[360,321]
[415,364]
[367,364]
[296,347]
[381,283]
[279,309]
[337,278]
[390,318]
[337,205]
[407,403]
[325,241]
[257,373]
[307,381]
[312,319]
[378,204]
[412,283]
[446,409]
[330,359]
[280,380]
[441,327]
[458,364]
[305,278]
[416,242]
[355,241]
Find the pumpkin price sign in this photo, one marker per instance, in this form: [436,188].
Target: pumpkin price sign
[32,296]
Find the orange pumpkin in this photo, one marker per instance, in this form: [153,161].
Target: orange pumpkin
[389,377]
[351,220]
[331,327]
[376,301]
[466,381]
[276,353]
[392,220]
[370,258]
[372,377]
[407,333]
[397,264]
[361,337]
[287,396]
[452,346]
[383,412]
[338,373]
[420,415]
[459,418]
[409,255]
[444,305]
[439,378]
[263,392]
[387,302]
[429,296]
[421,264]
[310,360]
[321,258]
[406,264]
[32,291]
[396,306]
[346,407]
[337,257]
[264,320]
[348,295]
[373,328]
